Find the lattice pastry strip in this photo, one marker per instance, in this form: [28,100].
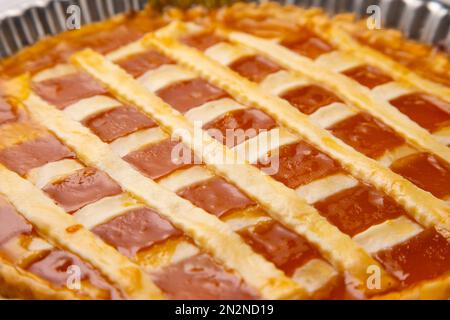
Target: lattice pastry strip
[57,71]
[338,61]
[98,104]
[387,234]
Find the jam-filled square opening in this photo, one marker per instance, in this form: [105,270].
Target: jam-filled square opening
[118,122]
[189,94]
[428,111]
[160,159]
[81,188]
[68,89]
[255,68]
[367,135]
[216,196]
[139,63]
[309,99]
[356,209]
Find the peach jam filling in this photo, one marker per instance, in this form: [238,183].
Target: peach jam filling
[160,159]
[83,187]
[368,76]
[202,40]
[200,277]
[189,94]
[216,196]
[424,256]
[237,126]
[118,122]
[139,63]
[428,111]
[307,43]
[356,209]
[255,68]
[11,223]
[68,89]
[286,249]
[309,99]
[300,163]
[136,230]
[367,135]
[426,171]
[55,265]
[34,153]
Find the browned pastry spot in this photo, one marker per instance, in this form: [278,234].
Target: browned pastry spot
[66,90]
[162,158]
[11,223]
[74,228]
[367,135]
[308,99]
[254,68]
[356,209]
[286,249]
[118,122]
[201,278]
[189,94]
[238,126]
[83,187]
[428,111]
[216,196]
[424,256]
[136,230]
[139,63]
[300,164]
[35,153]
[202,41]
[426,171]
[55,265]
[368,76]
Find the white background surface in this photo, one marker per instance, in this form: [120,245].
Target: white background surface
[9,4]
